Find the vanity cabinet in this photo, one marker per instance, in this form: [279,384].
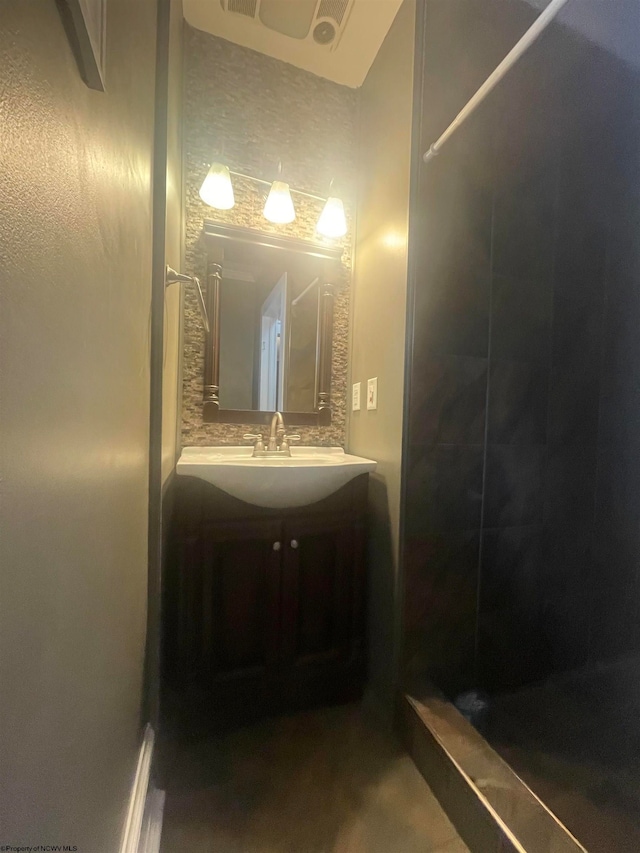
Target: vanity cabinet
[264,608]
[236,615]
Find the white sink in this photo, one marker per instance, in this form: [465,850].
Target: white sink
[308,475]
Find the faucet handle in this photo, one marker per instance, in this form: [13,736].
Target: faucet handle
[286,439]
[259,442]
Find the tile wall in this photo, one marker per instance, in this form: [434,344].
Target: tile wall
[522,493]
[252,111]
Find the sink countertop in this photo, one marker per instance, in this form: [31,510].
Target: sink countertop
[308,475]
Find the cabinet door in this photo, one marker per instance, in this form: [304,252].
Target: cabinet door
[321,590]
[240,598]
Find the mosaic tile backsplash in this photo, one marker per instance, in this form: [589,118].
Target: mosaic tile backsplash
[252,111]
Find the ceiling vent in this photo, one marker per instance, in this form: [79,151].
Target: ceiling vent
[320,22]
[241,7]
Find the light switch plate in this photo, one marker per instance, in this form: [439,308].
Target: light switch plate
[372,394]
[355,401]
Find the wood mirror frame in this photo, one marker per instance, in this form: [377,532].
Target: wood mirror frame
[229,242]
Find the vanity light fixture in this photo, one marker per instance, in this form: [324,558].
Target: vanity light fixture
[216,189]
[279,205]
[332,222]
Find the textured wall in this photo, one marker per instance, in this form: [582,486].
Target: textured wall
[254,110]
[378,321]
[174,246]
[75,243]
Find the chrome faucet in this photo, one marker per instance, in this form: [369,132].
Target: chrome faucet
[276,432]
[278,441]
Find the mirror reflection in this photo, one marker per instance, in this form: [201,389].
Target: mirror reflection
[268,339]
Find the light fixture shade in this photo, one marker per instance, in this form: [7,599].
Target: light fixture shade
[279,204]
[216,189]
[332,222]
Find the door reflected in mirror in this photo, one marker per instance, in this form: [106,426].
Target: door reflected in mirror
[273,324]
[268,340]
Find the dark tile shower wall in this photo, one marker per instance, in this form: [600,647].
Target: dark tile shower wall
[513,490]
[452,226]
[615,627]
[586,167]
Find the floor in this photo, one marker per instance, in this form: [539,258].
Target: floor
[575,741]
[328,781]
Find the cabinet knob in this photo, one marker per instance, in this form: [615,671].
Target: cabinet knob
[294,543]
[277,546]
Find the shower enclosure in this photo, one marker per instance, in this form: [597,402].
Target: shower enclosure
[521,542]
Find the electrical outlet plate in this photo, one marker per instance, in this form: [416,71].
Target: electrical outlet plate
[372,394]
[355,401]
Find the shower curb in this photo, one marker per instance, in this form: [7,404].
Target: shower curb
[492,809]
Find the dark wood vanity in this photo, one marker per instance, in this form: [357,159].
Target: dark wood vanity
[264,608]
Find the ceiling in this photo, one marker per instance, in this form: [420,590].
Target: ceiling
[346,60]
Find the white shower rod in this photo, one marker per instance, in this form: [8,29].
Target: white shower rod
[541,22]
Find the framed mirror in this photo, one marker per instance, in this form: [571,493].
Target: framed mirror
[269,301]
